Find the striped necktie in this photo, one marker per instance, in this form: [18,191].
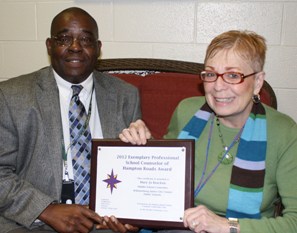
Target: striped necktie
[80,141]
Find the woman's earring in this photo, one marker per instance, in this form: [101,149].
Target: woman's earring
[256,99]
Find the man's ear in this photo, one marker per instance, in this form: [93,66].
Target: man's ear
[259,82]
[99,45]
[48,44]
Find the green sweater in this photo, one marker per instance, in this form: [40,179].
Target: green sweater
[281,168]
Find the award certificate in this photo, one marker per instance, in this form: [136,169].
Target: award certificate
[146,186]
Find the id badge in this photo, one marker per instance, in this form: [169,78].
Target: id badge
[67,196]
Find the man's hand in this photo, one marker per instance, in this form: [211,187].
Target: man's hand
[70,218]
[113,224]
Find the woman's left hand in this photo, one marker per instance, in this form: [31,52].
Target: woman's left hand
[201,219]
[113,224]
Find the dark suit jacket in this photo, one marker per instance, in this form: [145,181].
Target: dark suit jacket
[31,139]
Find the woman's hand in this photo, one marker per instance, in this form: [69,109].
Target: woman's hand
[113,224]
[201,219]
[137,133]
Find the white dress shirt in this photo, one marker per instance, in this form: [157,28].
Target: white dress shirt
[65,94]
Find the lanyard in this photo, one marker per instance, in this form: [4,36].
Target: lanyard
[203,180]
[83,129]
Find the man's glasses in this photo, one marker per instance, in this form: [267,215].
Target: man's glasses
[228,77]
[65,40]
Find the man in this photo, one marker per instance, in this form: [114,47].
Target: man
[36,144]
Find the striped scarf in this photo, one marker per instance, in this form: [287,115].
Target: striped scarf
[248,171]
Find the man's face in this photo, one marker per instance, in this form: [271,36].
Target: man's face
[74,60]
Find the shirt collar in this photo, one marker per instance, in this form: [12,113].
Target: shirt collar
[65,85]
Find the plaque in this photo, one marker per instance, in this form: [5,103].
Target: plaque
[143,185]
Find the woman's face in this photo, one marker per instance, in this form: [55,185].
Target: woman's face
[231,102]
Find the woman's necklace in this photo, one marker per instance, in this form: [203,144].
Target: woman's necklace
[225,156]
[203,180]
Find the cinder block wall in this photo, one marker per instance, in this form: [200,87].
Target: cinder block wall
[173,29]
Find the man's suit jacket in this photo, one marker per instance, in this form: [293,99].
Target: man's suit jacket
[31,139]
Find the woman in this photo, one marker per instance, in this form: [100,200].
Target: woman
[246,152]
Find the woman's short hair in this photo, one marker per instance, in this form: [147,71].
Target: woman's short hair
[247,44]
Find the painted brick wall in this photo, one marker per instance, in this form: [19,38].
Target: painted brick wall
[173,29]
